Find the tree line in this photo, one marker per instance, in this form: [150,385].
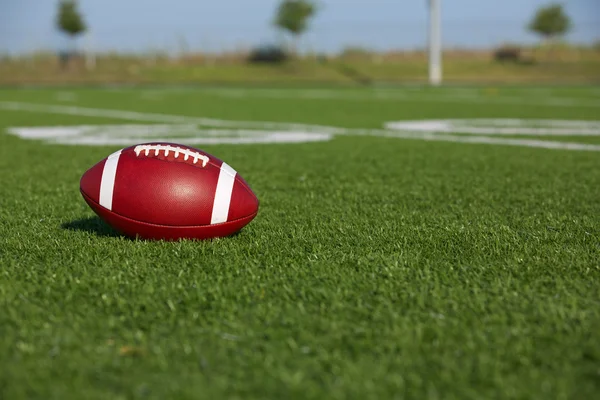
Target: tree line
[293,17]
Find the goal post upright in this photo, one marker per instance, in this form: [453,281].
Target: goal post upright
[435,43]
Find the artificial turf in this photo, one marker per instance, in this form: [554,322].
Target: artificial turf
[376,268]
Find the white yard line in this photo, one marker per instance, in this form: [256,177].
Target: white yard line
[535,97]
[544,144]
[156,117]
[412,96]
[541,95]
[166,118]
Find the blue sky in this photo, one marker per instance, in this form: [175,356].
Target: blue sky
[145,25]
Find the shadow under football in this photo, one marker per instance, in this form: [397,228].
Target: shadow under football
[98,227]
[92,225]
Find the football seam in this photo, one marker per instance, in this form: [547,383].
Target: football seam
[166,226]
[210,162]
[236,176]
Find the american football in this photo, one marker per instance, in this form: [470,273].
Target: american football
[168,191]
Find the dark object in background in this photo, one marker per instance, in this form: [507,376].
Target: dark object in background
[322,58]
[63,59]
[507,54]
[268,54]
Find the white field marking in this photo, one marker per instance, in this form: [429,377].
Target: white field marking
[532,127]
[268,138]
[394,90]
[66,96]
[220,209]
[285,128]
[107,183]
[541,96]
[544,144]
[96,135]
[309,94]
[441,97]
[152,95]
[94,112]
[151,98]
[156,117]
[176,152]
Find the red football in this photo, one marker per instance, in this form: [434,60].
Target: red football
[168,191]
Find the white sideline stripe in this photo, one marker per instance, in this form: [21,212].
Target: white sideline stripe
[223,193]
[156,117]
[107,184]
[533,127]
[542,144]
[165,118]
[263,137]
[442,97]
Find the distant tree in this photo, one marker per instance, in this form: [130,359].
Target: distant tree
[550,22]
[69,19]
[293,16]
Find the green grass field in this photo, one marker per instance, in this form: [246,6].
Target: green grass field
[378,267]
[541,66]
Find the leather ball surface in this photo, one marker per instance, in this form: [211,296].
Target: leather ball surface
[168,191]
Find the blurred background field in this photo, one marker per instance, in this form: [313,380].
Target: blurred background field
[326,42]
[562,65]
